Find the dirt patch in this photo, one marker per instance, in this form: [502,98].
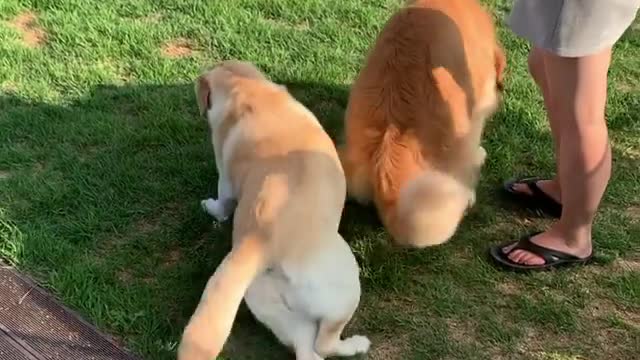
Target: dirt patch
[152,18]
[630,318]
[465,332]
[630,264]
[602,309]
[146,226]
[632,152]
[88,152]
[33,36]
[124,276]
[461,332]
[394,348]
[143,226]
[509,288]
[625,86]
[153,223]
[4,175]
[172,258]
[9,87]
[634,213]
[534,344]
[38,167]
[178,48]
[599,309]
[302,26]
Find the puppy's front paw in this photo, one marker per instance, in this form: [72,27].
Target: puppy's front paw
[481,156]
[214,208]
[358,343]
[206,204]
[472,199]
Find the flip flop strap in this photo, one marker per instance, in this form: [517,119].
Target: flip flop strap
[549,255]
[535,189]
[540,195]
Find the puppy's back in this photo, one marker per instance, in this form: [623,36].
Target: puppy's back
[293,182]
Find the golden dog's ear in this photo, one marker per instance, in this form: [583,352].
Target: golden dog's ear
[203,93]
[501,64]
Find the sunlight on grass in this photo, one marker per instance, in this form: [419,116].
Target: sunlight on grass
[104,159]
[555,356]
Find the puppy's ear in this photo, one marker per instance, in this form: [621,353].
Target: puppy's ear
[501,64]
[203,94]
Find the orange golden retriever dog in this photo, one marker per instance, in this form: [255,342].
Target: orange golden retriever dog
[416,114]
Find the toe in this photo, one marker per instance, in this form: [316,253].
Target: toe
[516,256]
[521,188]
[532,259]
[525,258]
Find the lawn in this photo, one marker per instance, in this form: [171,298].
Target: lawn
[103,162]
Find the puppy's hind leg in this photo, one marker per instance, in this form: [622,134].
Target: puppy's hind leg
[328,342]
[480,158]
[304,341]
[359,186]
[294,329]
[297,330]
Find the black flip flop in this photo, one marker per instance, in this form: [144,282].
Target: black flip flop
[537,200]
[552,258]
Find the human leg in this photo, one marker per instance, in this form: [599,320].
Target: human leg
[538,71]
[579,88]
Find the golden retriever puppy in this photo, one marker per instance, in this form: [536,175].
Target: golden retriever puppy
[280,172]
[416,114]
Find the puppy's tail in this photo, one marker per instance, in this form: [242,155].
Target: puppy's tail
[211,323]
[430,208]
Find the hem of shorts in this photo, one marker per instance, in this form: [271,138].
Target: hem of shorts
[567,52]
[573,53]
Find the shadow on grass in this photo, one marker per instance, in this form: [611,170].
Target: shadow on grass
[109,185]
[107,188]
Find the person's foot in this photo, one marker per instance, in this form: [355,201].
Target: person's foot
[555,239]
[550,187]
[539,195]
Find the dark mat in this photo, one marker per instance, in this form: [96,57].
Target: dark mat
[34,326]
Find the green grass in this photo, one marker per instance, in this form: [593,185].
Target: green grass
[103,161]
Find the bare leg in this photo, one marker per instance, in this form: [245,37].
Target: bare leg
[579,89]
[538,72]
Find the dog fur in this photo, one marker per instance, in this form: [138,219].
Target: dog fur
[280,172]
[415,118]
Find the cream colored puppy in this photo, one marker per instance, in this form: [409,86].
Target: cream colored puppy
[280,172]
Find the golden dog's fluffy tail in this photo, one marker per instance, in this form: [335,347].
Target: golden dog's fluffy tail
[211,323]
[430,208]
